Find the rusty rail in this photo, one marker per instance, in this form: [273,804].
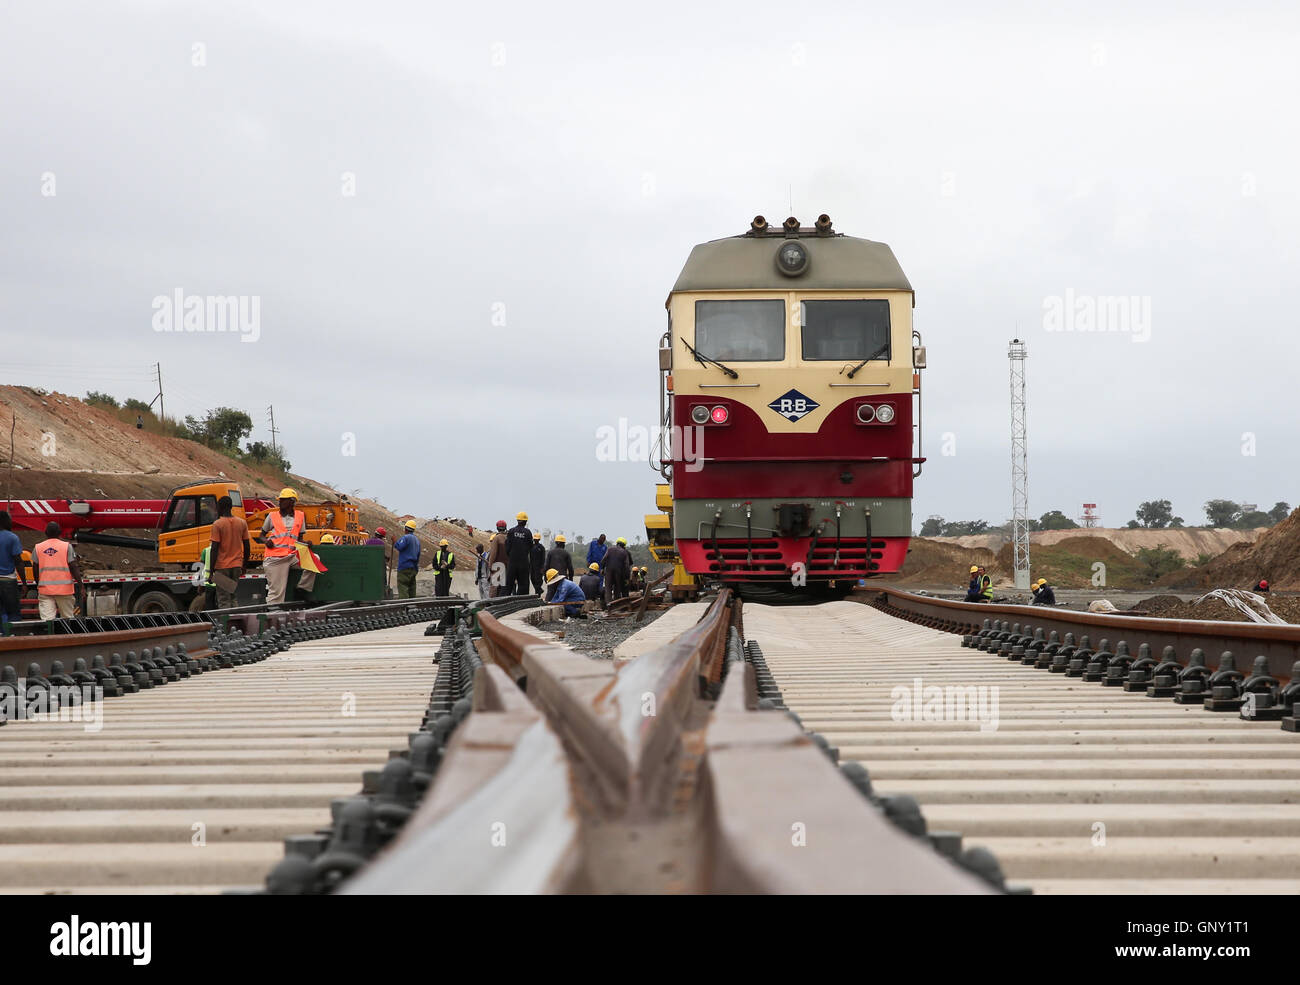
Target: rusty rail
[1280,644]
[576,775]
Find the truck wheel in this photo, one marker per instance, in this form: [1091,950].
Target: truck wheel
[153,602]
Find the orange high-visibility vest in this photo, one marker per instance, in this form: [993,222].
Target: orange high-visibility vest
[52,567]
[282,540]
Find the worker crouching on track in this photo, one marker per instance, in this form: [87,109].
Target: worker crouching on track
[1261,586]
[408,561]
[561,591]
[230,550]
[444,563]
[57,574]
[519,549]
[1043,594]
[537,564]
[973,589]
[282,531]
[592,585]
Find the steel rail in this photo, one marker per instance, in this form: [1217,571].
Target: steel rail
[580,775]
[1280,644]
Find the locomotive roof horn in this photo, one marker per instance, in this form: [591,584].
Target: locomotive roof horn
[759,225]
[791,226]
[824,225]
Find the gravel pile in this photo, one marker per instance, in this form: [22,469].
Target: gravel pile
[598,634]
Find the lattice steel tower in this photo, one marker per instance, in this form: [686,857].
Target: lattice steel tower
[1019,467]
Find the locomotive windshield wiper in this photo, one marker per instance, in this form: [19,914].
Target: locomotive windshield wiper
[705,359]
[875,355]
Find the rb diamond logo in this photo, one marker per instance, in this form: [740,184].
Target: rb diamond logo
[793,405]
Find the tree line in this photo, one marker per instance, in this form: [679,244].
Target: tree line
[1156,514]
[221,429]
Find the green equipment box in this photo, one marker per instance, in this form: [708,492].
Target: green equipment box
[356,574]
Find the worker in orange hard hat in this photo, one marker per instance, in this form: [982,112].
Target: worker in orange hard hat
[282,531]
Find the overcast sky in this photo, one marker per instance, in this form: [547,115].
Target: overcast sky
[462,221]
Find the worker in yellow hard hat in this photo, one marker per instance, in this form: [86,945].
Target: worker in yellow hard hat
[327,538]
[408,561]
[519,552]
[617,567]
[561,591]
[973,589]
[592,585]
[444,562]
[1043,594]
[282,531]
[559,558]
[537,563]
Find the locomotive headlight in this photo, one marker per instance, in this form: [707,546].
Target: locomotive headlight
[866,413]
[700,414]
[792,258]
[720,414]
[885,413]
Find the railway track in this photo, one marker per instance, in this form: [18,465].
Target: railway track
[1075,787]
[192,786]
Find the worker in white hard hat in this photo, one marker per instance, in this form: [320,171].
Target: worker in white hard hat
[408,561]
[282,531]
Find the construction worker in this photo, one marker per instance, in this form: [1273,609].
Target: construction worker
[519,551]
[444,563]
[596,550]
[561,591]
[986,586]
[229,542]
[408,561]
[592,585]
[1043,594]
[537,564]
[559,558]
[1261,586]
[57,573]
[13,579]
[282,531]
[498,561]
[481,578]
[377,539]
[973,589]
[617,567]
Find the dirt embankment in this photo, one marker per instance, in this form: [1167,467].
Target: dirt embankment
[1190,543]
[1275,557]
[67,449]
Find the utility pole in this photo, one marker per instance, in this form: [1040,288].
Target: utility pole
[274,447]
[1019,467]
[159,398]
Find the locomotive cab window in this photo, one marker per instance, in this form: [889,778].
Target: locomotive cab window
[740,331]
[846,329]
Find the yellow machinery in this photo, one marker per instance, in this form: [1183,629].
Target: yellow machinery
[659,535]
[191,511]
